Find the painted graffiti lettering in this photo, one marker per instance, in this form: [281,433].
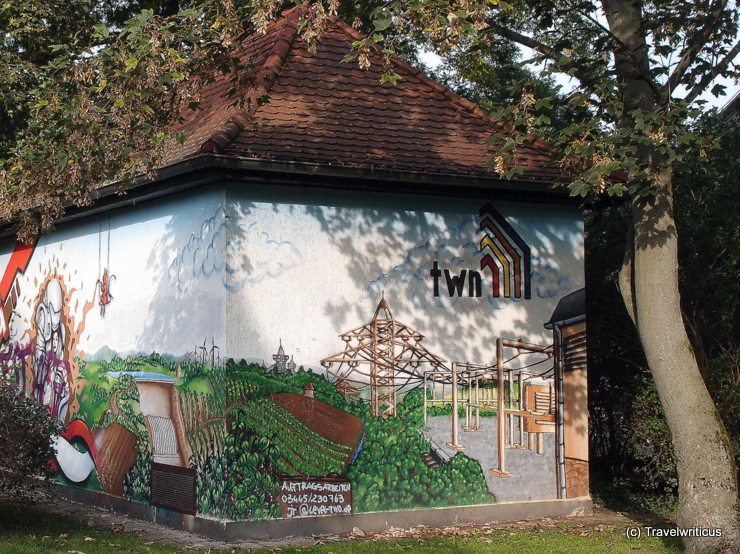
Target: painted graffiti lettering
[312,498]
[315,497]
[299,486]
[13,364]
[456,283]
[51,386]
[313,510]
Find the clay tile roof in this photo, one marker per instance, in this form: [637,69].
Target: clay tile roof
[325,111]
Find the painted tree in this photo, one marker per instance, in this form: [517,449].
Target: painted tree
[637,69]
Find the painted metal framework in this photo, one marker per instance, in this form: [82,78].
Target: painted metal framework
[383,354]
[508,381]
[386,355]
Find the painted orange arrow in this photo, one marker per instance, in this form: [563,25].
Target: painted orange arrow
[19,260]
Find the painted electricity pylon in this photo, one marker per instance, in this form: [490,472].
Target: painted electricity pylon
[383,354]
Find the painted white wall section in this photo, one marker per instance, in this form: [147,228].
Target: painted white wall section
[302,273]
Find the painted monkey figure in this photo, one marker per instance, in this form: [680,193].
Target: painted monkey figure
[105,296]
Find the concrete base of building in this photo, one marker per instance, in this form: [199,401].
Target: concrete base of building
[233,531]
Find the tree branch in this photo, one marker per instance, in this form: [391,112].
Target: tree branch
[556,56]
[692,49]
[604,29]
[547,51]
[529,42]
[709,76]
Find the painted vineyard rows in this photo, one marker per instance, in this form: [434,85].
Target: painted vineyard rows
[298,448]
[290,421]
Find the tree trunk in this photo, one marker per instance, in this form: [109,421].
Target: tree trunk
[707,480]
[708,493]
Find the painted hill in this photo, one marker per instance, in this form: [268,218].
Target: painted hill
[314,439]
[328,421]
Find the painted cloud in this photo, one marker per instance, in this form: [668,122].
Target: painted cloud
[200,256]
[255,256]
[547,280]
[252,255]
[455,250]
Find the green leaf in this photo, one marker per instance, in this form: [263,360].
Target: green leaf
[101,32]
[578,188]
[62,161]
[382,23]
[390,78]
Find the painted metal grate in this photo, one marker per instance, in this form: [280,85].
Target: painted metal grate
[164,439]
[173,488]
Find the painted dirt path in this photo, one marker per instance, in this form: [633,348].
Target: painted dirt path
[601,520]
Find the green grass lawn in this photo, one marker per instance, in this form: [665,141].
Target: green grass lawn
[505,541]
[25,529]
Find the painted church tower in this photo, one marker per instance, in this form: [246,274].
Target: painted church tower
[283,362]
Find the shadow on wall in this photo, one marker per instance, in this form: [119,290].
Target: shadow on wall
[455,323]
[450,327]
[323,127]
[313,134]
[187,259]
[386,247]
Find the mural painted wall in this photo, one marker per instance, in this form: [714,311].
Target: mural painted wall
[280,355]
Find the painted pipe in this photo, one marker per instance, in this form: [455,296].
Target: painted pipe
[501,417]
[559,418]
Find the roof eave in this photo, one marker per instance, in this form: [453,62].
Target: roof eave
[330,175]
[208,169]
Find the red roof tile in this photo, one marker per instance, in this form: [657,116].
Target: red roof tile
[325,111]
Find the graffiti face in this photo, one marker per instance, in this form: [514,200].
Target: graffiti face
[51,370]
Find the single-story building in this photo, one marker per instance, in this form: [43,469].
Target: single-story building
[325,312]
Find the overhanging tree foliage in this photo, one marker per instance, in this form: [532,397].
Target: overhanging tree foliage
[89,95]
[102,106]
